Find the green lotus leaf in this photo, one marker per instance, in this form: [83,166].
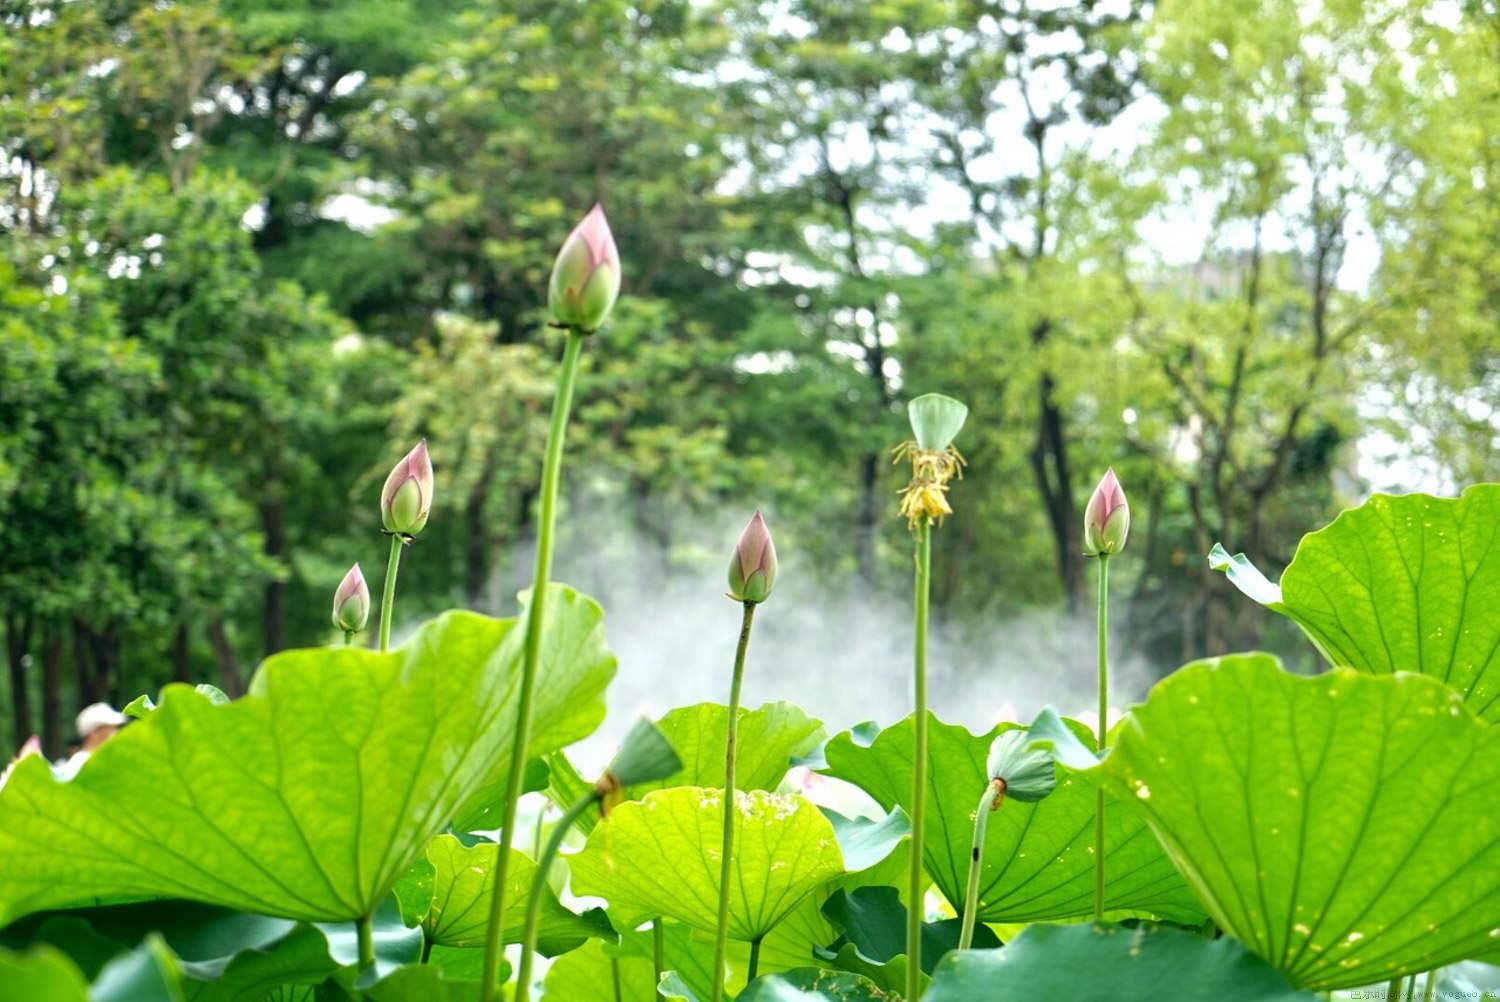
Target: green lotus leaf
[1038,857]
[422,983]
[42,974]
[768,738]
[660,856]
[223,955]
[310,796]
[1406,583]
[1108,962]
[588,973]
[872,941]
[455,886]
[1342,826]
[149,971]
[811,984]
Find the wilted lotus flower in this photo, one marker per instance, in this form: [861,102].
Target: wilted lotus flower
[351,602]
[752,569]
[644,756]
[406,498]
[586,276]
[1023,772]
[1106,520]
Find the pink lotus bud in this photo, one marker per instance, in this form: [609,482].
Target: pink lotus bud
[752,569]
[1106,520]
[586,277]
[32,746]
[351,602]
[406,498]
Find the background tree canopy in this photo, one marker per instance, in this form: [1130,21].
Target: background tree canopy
[253,250]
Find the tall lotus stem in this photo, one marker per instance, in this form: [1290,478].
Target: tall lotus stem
[585,282]
[993,793]
[644,756]
[752,574]
[1106,525]
[935,420]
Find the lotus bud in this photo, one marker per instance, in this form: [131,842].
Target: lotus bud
[351,602]
[1106,520]
[586,276]
[752,569]
[1025,773]
[406,498]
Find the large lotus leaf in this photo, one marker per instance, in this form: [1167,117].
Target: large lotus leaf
[660,856]
[1109,962]
[1341,826]
[768,738]
[310,796]
[1038,858]
[1406,583]
[454,885]
[576,976]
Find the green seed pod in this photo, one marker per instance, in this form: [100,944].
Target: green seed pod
[935,420]
[1027,772]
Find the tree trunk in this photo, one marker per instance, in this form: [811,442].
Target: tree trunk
[18,647]
[52,717]
[868,517]
[477,549]
[1054,482]
[182,662]
[273,521]
[229,664]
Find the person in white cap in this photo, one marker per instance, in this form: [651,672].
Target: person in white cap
[97,723]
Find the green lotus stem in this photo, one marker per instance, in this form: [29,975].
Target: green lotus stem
[1393,990]
[366,933]
[1102,728]
[348,637]
[1432,977]
[996,788]
[1411,987]
[388,597]
[754,960]
[721,934]
[658,948]
[614,973]
[919,764]
[539,885]
[551,475]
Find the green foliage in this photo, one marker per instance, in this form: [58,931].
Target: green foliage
[1401,584]
[1038,865]
[307,843]
[660,856]
[1340,826]
[449,896]
[1109,961]
[769,738]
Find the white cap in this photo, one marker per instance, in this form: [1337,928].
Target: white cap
[98,715]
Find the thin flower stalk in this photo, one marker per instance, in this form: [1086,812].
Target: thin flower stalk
[935,420]
[581,292]
[752,575]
